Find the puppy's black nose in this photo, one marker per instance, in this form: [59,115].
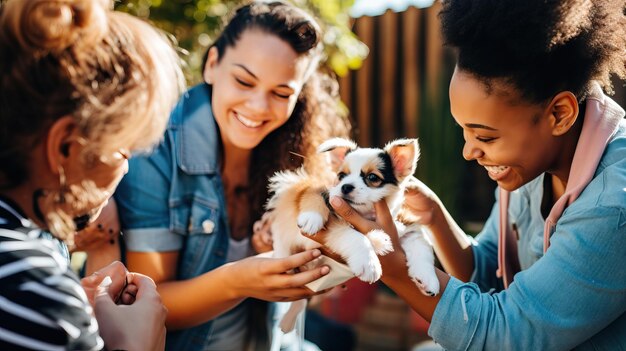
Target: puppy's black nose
[347,188]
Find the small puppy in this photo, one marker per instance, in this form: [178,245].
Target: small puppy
[364,176]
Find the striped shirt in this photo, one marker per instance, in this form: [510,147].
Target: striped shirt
[42,304]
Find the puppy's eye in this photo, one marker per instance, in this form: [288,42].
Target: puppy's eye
[373,180]
[341,175]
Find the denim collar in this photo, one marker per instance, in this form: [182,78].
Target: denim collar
[195,132]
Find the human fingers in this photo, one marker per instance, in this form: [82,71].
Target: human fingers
[383,215]
[133,327]
[420,199]
[266,237]
[414,184]
[144,284]
[262,242]
[386,222]
[103,300]
[128,295]
[147,293]
[350,215]
[421,207]
[116,271]
[92,280]
[304,277]
[281,265]
[257,226]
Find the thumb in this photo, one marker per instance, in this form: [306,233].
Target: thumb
[102,293]
[383,215]
[349,214]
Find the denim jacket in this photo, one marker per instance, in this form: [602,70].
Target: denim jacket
[173,199]
[571,297]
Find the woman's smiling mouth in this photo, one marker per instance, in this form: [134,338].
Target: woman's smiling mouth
[497,172]
[248,122]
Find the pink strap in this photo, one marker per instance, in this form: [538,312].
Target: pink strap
[598,127]
[508,261]
[602,117]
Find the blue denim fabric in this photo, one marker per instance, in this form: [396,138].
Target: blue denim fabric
[173,199]
[573,297]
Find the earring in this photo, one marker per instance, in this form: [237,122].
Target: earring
[63,189]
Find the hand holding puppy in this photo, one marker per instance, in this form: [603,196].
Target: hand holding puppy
[394,263]
[268,278]
[421,202]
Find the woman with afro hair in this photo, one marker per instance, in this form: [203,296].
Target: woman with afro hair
[546,272]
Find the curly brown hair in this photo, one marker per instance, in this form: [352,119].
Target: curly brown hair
[318,114]
[540,47]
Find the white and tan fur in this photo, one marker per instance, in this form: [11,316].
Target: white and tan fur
[365,176]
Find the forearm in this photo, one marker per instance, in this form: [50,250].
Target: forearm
[198,300]
[451,245]
[409,292]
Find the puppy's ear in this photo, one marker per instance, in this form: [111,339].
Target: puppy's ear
[404,155]
[338,148]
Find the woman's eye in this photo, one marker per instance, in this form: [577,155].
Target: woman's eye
[282,96]
[341,175]
[243,82]
[373,179]
[485,140]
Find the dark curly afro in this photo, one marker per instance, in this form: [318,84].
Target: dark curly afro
[540,47]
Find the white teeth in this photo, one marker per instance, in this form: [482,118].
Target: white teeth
[247,122]
[496,169]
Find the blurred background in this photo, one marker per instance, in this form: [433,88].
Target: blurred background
[394,73]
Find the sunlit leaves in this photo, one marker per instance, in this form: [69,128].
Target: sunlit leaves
[194,23]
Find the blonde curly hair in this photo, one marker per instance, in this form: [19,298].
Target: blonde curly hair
[114,74]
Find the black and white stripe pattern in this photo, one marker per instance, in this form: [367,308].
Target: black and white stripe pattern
[42,304]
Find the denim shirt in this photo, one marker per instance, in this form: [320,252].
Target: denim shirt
[173,199]
[571,297]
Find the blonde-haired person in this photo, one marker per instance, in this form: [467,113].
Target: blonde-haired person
[81,87]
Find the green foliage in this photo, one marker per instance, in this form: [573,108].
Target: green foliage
[195,23]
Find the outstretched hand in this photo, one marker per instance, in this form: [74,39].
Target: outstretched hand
[271,279]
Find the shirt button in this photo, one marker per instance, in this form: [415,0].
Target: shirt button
[208,226]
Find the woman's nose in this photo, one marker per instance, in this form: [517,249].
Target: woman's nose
[258,102]
[471,152]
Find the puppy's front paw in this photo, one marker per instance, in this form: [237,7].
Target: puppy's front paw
[425,278]
[381,242]
[310,222]
[366,267]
